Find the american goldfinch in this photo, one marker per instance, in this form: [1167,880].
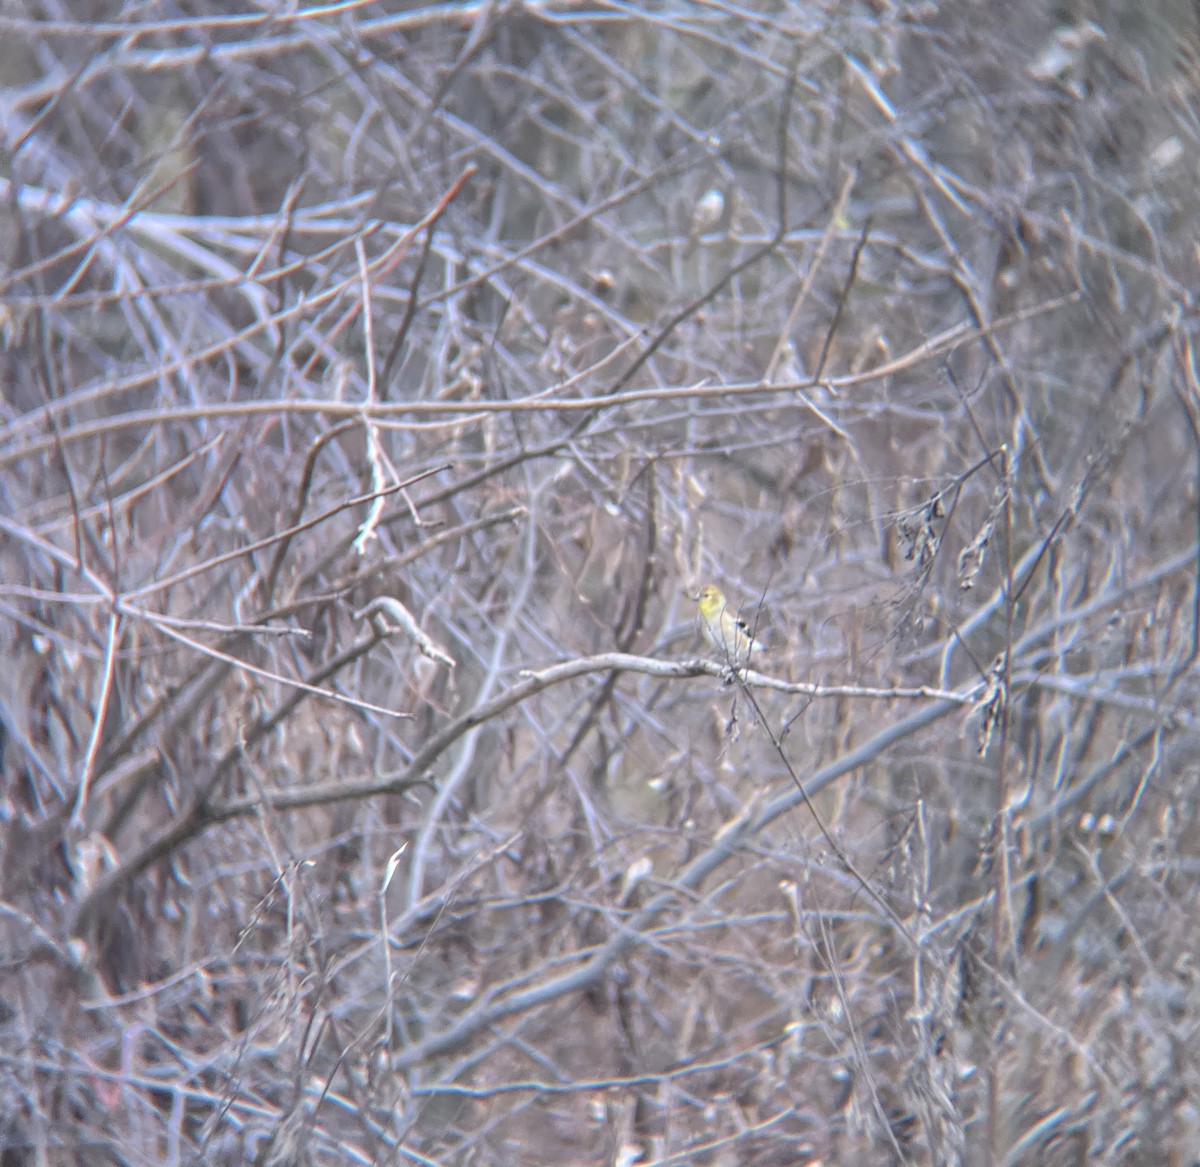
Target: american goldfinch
[723,630]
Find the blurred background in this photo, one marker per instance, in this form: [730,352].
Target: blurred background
[362,362]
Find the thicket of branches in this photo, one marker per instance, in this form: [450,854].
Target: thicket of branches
[379,387]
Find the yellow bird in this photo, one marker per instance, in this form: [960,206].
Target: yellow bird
[723,630]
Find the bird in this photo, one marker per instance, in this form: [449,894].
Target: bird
[706,215]
[728,634]
[707,212]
